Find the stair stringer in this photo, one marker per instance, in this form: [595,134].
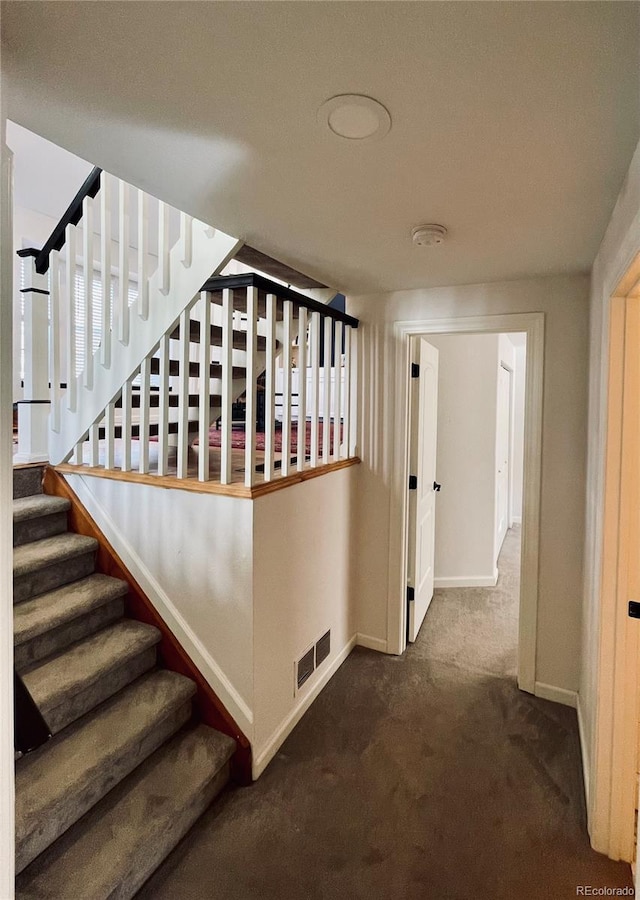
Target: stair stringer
[211,252]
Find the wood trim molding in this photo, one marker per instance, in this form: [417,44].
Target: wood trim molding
[172,656]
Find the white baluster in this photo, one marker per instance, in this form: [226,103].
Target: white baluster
[186,239]
[337,392]
[270,388]
[123,262]
[314,350]
[163,409]
[326,397]
[163,246]
[109,443]
[286,387]
[77,457]
[71,310]
[126,425]
[251,388]
[352,437]
[94,445]
[183,393]
[227,385]
[145,381]
[54,338]
[105,264]
[204,394]
[87,271]
[346,428]
[143,255]
[302,388]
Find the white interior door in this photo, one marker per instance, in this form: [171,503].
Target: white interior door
[425,499]
[503,447]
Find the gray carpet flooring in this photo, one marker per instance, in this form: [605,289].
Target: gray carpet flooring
[426,777]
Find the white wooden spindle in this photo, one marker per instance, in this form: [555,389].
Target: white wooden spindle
[123,262]
[346,428]
[286,387]
[338,332]
[352,436]
[163,408]
[145,405]
[314,351]
[126,425]
[302,388]
[54,338]
[163,246]
[87,271]
[251,388]
[186,239]
[109,442]
[105,268]
[143,255]
[270,388]
[94,445]
[204,393]
[326,396]
[183,393]
[70,304]
[77,457]
[227,385]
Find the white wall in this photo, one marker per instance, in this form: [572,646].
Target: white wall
[192,555]
[465,507]
[302,586]
[620,245]
[517,445]
[564,300]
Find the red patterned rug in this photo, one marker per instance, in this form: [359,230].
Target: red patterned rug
[238,438]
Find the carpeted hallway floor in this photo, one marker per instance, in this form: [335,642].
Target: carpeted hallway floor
[424,777]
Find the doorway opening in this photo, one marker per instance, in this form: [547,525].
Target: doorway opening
[532,326]
[465,497]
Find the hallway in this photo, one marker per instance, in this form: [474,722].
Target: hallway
[422,777]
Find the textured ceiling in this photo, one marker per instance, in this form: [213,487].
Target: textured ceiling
[513,123]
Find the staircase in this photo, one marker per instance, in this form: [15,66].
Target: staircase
[128,770]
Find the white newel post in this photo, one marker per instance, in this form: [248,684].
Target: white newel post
[33,409]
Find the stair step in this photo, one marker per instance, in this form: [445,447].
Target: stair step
[239,337]
[59,782]
[27,480]
[173,400]
[112,851]
[68,685]
[50,622]
[51,562]
[215,369]
[38,516]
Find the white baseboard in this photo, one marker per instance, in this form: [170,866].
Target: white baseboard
[263,757]
[461,581]
[371,643]
[556,694]
[586,763]
[184,634]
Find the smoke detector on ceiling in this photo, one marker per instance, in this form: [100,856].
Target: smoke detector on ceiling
[428,235]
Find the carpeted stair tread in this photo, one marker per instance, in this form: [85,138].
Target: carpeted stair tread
[38,505]
[59,782]
[40,554]
[56,608]
[113,849]
[27,480]
[66,686]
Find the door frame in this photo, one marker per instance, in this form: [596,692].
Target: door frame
[613,778]
[533,325]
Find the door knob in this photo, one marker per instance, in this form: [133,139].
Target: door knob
[436,486]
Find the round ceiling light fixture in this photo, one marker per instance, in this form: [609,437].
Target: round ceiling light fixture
[355,117]
[428,235]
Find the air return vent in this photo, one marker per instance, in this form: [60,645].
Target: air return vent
[323,648]
[305,666]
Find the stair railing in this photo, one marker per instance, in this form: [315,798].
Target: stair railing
[233,347]
[85,294]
